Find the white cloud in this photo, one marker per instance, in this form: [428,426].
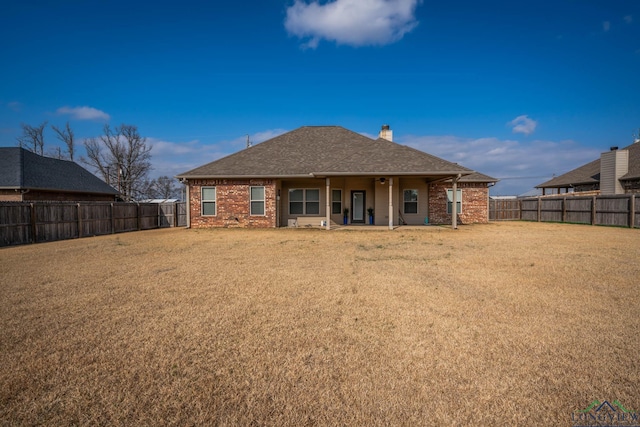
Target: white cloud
[523,124]
[628,19]
[351,22]
[84,113]
[606,26]
[520,166]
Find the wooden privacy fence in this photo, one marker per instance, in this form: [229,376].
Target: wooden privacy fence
[25,222]
[504,209]
[619,210]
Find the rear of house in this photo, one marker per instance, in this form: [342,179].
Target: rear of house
[319,175]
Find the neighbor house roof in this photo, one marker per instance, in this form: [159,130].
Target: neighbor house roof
[590,173]
[22,169]
[317,151]
[585,174]
[634,162]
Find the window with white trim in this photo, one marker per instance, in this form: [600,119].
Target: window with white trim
[208,201]
[304,201]
[458,200]
[336,202]
[411,201]
[256,200]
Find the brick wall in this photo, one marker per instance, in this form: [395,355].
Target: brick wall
[475,203]
[232,203]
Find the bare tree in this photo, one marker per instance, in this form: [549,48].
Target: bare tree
[32,138]
[66,135]
[122,157]
[162,187]
[56,153]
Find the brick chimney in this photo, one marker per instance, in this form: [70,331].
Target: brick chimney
[386,133]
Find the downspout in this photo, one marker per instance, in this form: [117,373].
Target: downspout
[278,207]
[454,207]
[391,203]
[188,201]
[328,204]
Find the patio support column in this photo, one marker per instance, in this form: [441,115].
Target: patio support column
[454,207]
[328,203]
[391,203]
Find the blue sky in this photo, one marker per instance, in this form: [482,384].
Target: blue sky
[516,90]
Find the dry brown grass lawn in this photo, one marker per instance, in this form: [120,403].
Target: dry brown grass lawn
[500,324]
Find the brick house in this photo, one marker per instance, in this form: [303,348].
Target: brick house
[26,176]
[314,174]
[615,172]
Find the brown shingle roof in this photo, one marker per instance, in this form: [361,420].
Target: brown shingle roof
[634,162]
[325,151]
[585,174]
[478,177]
[590,173]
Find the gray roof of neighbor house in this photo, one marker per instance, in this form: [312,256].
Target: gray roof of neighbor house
[22,169]
[318,151]
[590,173]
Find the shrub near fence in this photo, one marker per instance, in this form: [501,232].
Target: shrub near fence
[616,210]
[24,222]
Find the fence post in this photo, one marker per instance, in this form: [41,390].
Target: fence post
[138,214]
[113,221]
[632,209]
[593,210]
[539,209]
[79,221]
[175,214]
[34,228]
[564,209]
[519,209]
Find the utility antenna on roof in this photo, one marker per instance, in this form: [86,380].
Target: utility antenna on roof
[248,142]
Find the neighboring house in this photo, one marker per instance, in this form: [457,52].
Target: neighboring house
[26,176]
[615,172]
[312,174]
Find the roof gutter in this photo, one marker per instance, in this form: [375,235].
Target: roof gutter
[65,190]
[444,174]
[241,176]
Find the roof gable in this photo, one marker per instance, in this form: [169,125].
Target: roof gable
[11,167]
[322,151]
[634,162]
[22,169]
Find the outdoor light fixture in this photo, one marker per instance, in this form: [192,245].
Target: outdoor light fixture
[382,180]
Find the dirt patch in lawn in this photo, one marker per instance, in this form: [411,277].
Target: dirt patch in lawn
[499,324]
